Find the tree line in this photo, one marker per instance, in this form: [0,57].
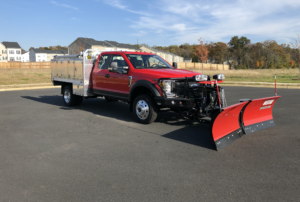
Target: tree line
[58,47]
[240,53]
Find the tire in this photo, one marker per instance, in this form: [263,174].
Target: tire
[144,109]
[68,97]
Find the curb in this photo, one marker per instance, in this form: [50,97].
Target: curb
[262,83]
[261,86]
[28,88]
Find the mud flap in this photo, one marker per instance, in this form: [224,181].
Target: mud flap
[226,127]
[258,114]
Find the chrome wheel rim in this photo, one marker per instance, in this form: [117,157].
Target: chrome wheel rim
[142,109]
[67,96]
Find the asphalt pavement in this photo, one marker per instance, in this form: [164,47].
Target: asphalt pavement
[97,152]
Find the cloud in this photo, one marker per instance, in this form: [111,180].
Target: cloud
[139,33]
[118,4]
[64,5]
[186,21]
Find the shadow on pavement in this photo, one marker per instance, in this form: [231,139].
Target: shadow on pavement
[193,133]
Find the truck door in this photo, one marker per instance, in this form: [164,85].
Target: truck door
[101,75]
[118,84]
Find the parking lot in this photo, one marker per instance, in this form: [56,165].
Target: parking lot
[97,152]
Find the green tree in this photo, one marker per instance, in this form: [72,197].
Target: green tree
[218,51]
[296,52]
[239,47]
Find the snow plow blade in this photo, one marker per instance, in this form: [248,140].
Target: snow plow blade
[258,114]
[226,126]
[243,118]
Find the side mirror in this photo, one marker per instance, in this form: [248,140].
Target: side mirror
[113,67]
[175,65]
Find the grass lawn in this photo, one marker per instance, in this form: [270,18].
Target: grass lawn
[260,75]
[25,76]
[33,76]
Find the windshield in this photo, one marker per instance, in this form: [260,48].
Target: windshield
[148,61]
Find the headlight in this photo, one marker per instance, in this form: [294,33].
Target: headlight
[219,77]
[166,85]
[201,77]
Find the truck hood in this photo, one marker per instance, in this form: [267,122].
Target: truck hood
[167,73]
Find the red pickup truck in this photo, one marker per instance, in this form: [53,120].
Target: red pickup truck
[148,84]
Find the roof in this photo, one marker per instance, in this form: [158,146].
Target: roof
[91,42]
[106,43]
[122,45]
[157,50]
[50,51]
[129,52]
[11,44]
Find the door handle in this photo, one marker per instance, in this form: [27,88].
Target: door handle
[107,75]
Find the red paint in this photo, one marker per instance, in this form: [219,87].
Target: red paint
[275,86]
[211,82]
[254,114]
[227,121]
[218,94]
[119,82]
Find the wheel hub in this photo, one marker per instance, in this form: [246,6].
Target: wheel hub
[67,95]
[142,109]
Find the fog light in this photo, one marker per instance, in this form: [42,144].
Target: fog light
[219,77]
[201,77]
[173,102]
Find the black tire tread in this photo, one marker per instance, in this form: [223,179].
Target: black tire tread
[73,100]
[152,107]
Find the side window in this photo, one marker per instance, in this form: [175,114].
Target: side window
[119,59]
[137,61]
[103,61]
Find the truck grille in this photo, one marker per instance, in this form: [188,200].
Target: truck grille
[193,90]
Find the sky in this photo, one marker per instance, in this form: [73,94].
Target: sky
[35,23]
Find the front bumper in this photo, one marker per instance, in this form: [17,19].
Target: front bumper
[175,102]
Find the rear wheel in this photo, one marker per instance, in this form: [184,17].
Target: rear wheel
[68,97]
[144,109]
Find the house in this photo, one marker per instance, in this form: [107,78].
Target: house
[155,51]
[10,51]
[25,57]
[187,60]
[3,53]
[170,57]
[41,55]
[81,44]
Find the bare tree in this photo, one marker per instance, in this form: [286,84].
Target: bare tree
[296,46]
[201,51]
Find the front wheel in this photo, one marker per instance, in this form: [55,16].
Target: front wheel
[144,109]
